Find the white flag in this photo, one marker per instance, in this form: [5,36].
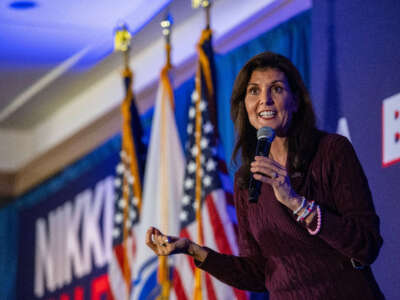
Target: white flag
[162,190]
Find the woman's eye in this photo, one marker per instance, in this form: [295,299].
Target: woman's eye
[252,91]
[277,89]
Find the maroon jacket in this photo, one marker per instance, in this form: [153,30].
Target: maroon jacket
[279,255]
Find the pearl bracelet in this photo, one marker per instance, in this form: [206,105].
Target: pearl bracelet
[319,221]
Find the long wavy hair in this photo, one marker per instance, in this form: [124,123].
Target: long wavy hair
[302,132]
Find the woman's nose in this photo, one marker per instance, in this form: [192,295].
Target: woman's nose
[266,98]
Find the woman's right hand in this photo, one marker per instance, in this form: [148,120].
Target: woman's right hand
[162,244]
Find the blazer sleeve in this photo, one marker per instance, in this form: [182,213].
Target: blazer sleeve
[353,227]
[246,271]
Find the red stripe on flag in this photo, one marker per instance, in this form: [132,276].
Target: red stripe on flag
[219,231]
[134,248]
[178,286]
[240,294]
[184,233]
[191,263]
[210,288]
[110,295]
[119,254]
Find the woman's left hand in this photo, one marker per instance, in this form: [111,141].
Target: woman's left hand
[267,170]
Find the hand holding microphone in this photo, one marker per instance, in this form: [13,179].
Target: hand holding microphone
[265,136]
[269,171]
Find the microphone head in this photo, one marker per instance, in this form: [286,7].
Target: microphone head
[266,133]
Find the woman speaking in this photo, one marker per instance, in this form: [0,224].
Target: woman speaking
[313,231]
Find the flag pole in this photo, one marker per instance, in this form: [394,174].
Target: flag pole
[166,26]
[122,42]
[206,5]
[163,271]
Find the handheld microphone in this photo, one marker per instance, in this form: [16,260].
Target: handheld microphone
[265,136]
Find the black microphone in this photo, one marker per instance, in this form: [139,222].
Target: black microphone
[265,136]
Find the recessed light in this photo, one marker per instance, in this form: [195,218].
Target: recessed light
[23,4]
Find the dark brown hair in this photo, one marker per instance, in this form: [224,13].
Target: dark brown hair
[302,131]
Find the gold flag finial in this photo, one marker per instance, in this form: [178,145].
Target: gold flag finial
[166,26]
[206,4]
[122,42]
[202,3]
[122,39]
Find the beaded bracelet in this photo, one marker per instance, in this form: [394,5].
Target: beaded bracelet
[302,205]
[319,220]
[307,211]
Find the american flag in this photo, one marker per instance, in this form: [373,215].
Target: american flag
[207,193]
[128,197]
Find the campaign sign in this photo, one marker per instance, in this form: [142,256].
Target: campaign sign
[65,241]
[391,130]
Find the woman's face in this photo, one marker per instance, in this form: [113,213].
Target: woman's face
[269,100]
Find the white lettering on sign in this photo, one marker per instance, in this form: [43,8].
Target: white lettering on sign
[71,238]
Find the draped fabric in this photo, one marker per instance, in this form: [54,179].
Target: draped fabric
[291,39]
[206,199]
[128,196]
[162,191]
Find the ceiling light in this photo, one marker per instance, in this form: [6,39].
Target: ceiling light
[23,4]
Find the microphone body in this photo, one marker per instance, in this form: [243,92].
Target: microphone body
[265,136]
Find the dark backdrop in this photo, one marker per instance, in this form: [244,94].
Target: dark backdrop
[355,65]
